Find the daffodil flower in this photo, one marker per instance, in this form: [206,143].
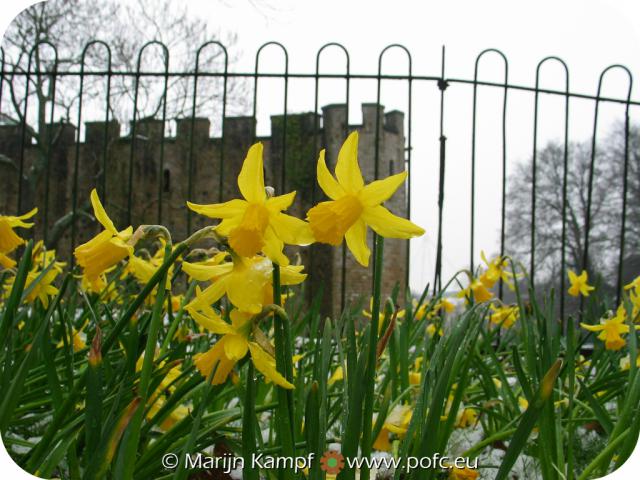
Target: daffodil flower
[78,338]
[397,423]
[625,362]
[157,399]
[467,417]
[635,283]
[247,282]
[105,249]
[367,313]
[10,240]
[476,290]
[256,223]
[464,473]
[143,269]
[496,270]
[579,284]
[337,376]
[354,205]
[233,347]
[611,330]
[504,316]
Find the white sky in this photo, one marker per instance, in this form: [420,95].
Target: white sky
[588,35]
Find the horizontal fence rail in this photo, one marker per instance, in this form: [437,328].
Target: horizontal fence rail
[147,139]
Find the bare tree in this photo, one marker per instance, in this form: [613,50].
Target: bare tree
[47,41]
[606,207]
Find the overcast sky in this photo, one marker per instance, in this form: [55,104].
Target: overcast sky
[589,36]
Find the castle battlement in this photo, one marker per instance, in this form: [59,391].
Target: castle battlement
[160,185]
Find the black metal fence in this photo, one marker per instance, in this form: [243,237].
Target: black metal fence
[409,78]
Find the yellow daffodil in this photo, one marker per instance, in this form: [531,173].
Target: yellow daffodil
[105,249]
[354,205]
[157,399]
[247,282]
[523,403]
[446,305]
[432,330]
[625,362]
[396,423]
[464,473]
[635,283]
[579,284]
[10,240]
[256,223]
[381,324]
[634,297]
[78,339]
[496,270]
[39,281]
[611,330]
[504,316]
[337,376]
[233,347]
[43,257]
[467,417]
[143,269]
[477,291]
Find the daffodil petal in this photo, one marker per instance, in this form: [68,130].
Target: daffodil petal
[214,323]
[266,365]
[202,272]
[101,214]
[281,202]
[380,191]
[273,246]
[292,275]
[235,347]
[19,220]
[228,209]
[209,295]
[347,168]
[592,328]
[328,184]
[246,292]
[385,223]
[291,230]
[251,177]
[356,238]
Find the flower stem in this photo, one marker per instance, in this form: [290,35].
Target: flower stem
[248,426]
[370,374]
[284,365]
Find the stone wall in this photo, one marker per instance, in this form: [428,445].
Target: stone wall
[160,180]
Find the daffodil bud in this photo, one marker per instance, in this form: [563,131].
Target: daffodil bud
[95,352]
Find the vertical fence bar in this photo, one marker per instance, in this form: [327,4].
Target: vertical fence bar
[76,161]
[134,121]
[587,220]
[23,130]
[162,132]
[442,140]
[343,271]
[2,69]
[377,137]
[473,154]
[192,127]
[286,95]
[49,144]
[107,109]
[625,187]
[563,254]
